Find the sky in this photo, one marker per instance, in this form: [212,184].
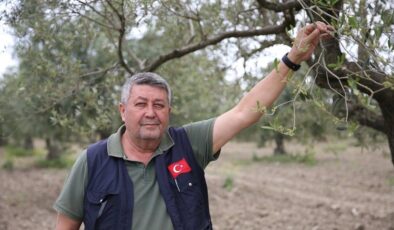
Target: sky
[6,43]
[6,49]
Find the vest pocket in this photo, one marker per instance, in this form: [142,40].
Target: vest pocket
[191,202]
[99,197]
[103,208]
[185,182]
[190,193]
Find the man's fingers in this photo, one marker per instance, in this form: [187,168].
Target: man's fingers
[308,37]
[312,36]
[309,28]
[320,25]
[324,28]
[326,36]
[313,31]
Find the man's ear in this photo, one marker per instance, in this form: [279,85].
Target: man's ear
[122,109]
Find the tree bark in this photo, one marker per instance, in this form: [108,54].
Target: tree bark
[390,138]
[3,141]
[103,134]
[28,143]
[54,149]
[280,144]
[387,108]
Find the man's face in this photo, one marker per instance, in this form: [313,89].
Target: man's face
[146,113]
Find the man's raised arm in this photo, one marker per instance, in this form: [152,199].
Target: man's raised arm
[268,89]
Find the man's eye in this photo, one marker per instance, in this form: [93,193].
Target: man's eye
[159,106]
[140,104]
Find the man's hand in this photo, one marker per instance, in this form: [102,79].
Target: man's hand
[307,39]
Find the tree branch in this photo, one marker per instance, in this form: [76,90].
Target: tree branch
[263,45]
[279,7]
[177,53]
[122,31]
[177,13]
[366,117]
[94,10]
[103,71]
[369,81]
[92,20]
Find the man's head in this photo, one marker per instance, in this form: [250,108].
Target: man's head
[145,78]
[145,106]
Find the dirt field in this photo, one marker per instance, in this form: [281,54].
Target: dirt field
[348,188]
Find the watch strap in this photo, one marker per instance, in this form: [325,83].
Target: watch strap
[289,63]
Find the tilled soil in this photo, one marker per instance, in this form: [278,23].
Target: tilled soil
[349,189]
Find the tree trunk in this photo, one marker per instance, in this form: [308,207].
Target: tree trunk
[387,108]
[3,141]
[3,138]
[391,145]
[54,149]
[28,143]
[280,144]
[103,134]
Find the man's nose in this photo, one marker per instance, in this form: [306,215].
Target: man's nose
[150,111]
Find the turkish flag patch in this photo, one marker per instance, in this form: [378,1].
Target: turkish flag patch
[179,167]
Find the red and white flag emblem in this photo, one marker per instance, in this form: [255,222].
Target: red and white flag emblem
[179,167]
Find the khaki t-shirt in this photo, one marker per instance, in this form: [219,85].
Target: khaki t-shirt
[149,210]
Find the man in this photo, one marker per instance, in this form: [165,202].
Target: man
[149,176]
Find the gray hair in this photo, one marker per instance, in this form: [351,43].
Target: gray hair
[144,78]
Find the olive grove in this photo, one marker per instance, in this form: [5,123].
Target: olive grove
[74,55]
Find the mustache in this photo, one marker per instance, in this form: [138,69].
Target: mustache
[153,122]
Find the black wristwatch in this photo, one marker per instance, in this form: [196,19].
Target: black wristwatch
[289,63]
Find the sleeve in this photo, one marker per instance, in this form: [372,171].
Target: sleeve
[70,200]
[200,137]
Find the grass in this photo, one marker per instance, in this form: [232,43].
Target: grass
[14,151]
[65,160]
[336,147]
[8,164]
[13,155]
[62,162]
[307,158]
[17,157]
[228,183]
[391,181]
